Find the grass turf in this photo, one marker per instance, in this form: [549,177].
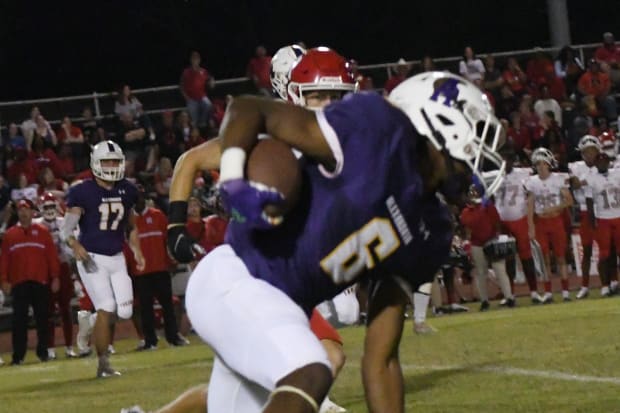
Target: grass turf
[552,358]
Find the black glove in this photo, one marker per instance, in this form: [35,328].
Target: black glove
[180,244]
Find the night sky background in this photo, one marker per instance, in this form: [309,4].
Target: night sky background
[58,48]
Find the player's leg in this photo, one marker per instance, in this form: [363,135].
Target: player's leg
[40,308]
[293,364]
[144,290]
[603,239]
[519,230]
[19,321]
[482,268]
[543,237]
[559,244]
[586,233]
[499,268]
[99,287]
[163,292]
[64,307]
[51,325]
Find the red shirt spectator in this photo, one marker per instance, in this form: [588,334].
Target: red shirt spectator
[258,69]
[194,79]
[392,82]
[69,132]
[151,225]
[514,77]
[28,253]
[538,68]
[608,52]
[22,165]
[595,83]
[215,230]
[482,221]
[521,137]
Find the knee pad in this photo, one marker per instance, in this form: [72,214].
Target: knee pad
[299,392]
[124,311]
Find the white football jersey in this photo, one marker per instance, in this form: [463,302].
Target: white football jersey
[511,198]
[581,171]
[64,252]
[605,192]
[547,192]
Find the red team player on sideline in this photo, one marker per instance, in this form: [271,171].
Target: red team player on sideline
[511,205]
[603,199]
[49,208]
[580,173]
[548,196]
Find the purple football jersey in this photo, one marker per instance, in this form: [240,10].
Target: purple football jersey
[369,217]
[104,214]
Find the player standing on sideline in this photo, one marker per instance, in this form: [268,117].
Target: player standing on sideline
[548,196]
[102,207]
[386,217]
[48,207]
[511,205]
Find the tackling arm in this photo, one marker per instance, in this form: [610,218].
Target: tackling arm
[381,371]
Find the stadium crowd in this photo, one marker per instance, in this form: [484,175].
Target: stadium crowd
[543,102]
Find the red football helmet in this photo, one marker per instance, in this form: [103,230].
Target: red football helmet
[320,68]
[48,205]
[608,144]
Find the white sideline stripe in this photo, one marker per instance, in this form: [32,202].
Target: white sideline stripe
[515,371]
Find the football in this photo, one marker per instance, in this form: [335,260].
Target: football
[273,163]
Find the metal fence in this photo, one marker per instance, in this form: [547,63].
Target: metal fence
[162,98]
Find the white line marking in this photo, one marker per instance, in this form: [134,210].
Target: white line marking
[515,371]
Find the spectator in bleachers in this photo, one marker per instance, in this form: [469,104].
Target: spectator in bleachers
[29,125]
[21,164]
[364,82]
[608,55]
[91,127]
[529,118]
[72,136]
[16,139]
[506,103]
[493,80]
[600,126]
[538,68]
[547,103]
[557,90]
[520,136]
[131,136]
[569,67]
[48,183]
[127,103]
[595,86]
[471,67]
[163,179]
[28,267]
[258,70]
[23,190]
[44,130]
[184,125]
[195,138]
[402,72]
[66,164]
[43,156]
[515,77]
[169,141]
[194,83]
[428,65]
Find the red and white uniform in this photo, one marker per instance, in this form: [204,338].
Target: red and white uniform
[583,172]
[605,192]
[511,205]
[550,231]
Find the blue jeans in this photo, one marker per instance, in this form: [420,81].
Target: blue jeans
[199,111]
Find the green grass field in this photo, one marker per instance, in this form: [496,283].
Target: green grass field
[553,358]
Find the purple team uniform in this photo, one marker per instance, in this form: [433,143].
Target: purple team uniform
[371,219]
[105,214]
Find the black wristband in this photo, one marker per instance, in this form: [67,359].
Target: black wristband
[177,212]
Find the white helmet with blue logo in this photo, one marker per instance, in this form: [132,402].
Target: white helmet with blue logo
[107,150]
[458,119]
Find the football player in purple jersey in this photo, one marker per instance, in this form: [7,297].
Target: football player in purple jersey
[371,173]
[102,208]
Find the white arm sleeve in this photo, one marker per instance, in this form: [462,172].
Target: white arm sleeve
[68,225]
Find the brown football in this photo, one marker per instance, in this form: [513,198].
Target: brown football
[273,163]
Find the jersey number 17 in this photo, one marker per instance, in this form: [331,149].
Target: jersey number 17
[107,209]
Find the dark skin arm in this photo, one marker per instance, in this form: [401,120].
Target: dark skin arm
[381,370]
[590,206]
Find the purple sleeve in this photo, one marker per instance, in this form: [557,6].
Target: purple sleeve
[74,198]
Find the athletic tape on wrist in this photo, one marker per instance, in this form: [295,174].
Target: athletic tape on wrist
[232,164]
[297,391]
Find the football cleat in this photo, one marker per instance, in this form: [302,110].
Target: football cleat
[51,354]
[613,287]
[536,298]
[547,298]
[133,409]
[457,308]
[70,353]
[511,302]
[111,349]
[583,293]
[329,406]
[106,371]
[423,328]
[484,306]
[566,296]
[605,291]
